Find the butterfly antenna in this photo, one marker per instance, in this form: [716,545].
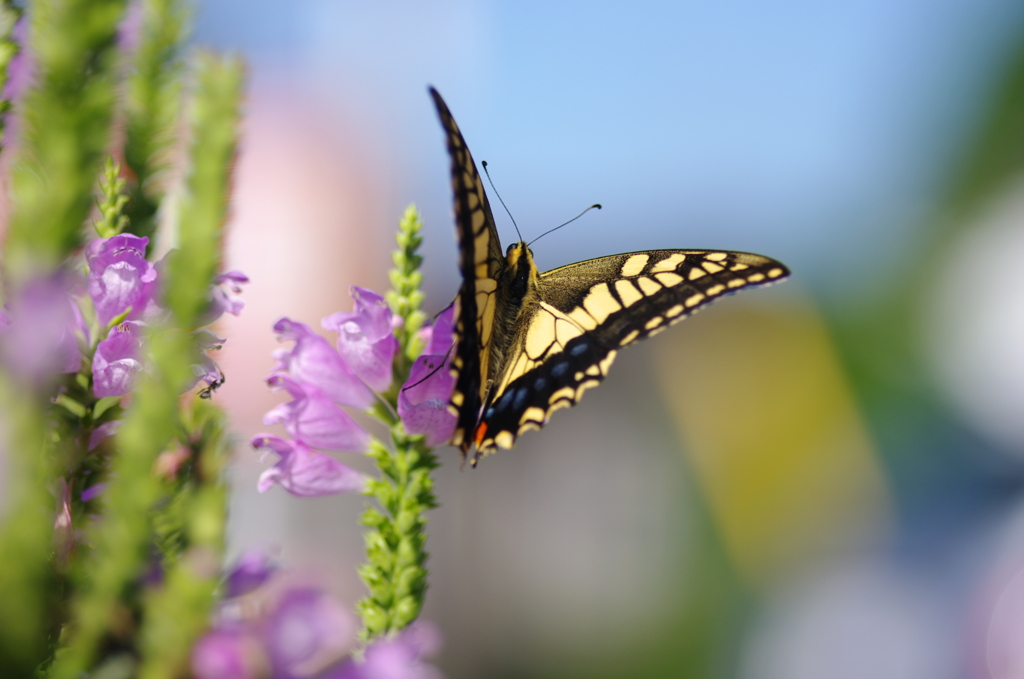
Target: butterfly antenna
[432,372]
[592,207]
[507,211]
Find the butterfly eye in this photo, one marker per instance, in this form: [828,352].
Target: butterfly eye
[510,248]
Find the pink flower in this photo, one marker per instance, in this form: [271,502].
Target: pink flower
[305,472]
[440,336]
[398,658]
[120,277]
[307,630]
[423,399]
[251,570]
[312,361]
[38,331]
[365,340]
[294,633]
[224,296]
[116,362]
[227,654]
[314,419]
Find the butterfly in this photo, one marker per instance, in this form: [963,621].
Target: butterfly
[529,343]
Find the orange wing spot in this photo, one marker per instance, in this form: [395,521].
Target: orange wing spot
[481,433]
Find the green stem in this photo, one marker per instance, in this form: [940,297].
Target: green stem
[395,571]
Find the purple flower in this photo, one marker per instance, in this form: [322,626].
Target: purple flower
[251,570]
[365,340]
[37,332]
[102,432]
[93,491]
[440,336]
[227,654]
[314,419]
[21,71]
[423,399]
[131,27]
[305,472]
[307,630]
[116,362]
[281,632]
[120,277]
[224,296]
[312,361]
[398,658]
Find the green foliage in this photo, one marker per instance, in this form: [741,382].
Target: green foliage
[153,106]
[395,571]
[122,543]
[67,118]
[112,201]
[214,121]
[26,577]
[177,613]
[405,297]
[9,15]
[75,598]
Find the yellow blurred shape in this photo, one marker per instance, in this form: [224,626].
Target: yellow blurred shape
[773,434]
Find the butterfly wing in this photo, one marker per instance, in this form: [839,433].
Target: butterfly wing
[481,263]
[585,312]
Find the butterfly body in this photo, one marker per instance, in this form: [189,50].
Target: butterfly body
[529,343]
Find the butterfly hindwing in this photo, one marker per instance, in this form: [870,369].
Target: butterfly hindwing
[586,312]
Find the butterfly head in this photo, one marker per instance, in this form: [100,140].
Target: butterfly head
[523,275]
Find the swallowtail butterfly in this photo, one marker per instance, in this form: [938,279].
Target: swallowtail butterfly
[529,343]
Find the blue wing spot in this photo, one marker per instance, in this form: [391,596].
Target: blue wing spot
[560,369]
[580,349]
[489,412]
[520,398]
[503,401]
[540,384]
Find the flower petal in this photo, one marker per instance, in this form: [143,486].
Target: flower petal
[120,277]
[365,339]
[226,654]
[308,629]
[224,296]
[314,362]
[116,362]
[397,658]
[305,472]
[314,419]
[251,570]
[442,333]
[37,332]
[423,400]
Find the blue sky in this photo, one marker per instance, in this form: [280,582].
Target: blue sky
[819,133]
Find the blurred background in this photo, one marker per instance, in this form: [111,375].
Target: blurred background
[824,478]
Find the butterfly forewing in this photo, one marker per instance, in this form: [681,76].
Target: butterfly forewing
[480,261]
[586,312]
